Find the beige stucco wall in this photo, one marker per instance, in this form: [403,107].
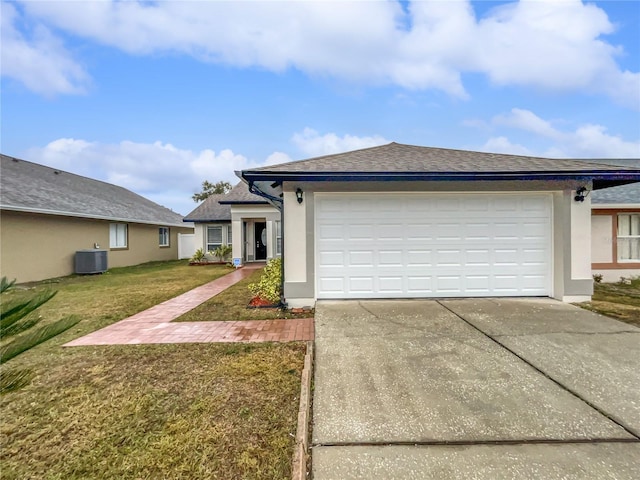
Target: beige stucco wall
[36,247]
[601,239]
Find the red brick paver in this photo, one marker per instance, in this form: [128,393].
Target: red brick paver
[153,325]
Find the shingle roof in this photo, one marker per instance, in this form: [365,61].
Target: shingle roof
[623,194]
[240,194]
[210,211]
[396,158]
[30,187]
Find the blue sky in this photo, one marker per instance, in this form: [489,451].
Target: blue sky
[159,96]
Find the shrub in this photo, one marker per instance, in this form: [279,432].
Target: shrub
[597,277]
[198,257]
[270,283]
[222,252]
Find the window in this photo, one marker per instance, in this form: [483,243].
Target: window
[229,237]
[163,236]
[629,237]
[118,235]
[278,238]
[214,237]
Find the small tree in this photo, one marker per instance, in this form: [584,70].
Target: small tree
[17,316]
[209,189]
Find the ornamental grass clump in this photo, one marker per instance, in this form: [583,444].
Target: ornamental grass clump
[269,287]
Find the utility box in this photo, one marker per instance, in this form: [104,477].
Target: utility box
[91,261]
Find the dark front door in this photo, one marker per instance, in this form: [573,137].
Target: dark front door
[261,240]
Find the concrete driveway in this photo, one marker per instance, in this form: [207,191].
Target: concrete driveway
[474,389]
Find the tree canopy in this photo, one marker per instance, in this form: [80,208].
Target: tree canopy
[209,189]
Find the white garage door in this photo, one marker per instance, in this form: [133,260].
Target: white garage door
[432,245]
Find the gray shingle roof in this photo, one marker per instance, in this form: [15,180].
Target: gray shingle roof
[396,158]
[240,194]
[210,211]
[27,186]
[623,194]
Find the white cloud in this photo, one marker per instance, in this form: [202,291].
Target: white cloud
[529,121]
[159,171]
[170,175]
[558,46]
[586,141]
[41,62]
[313,144]
[504,145]
[276,158]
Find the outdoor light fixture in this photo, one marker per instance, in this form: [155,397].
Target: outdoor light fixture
[299,195]
[581,194]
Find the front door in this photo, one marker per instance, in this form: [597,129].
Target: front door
[261,240]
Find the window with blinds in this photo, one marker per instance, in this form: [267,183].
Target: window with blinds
[628,237]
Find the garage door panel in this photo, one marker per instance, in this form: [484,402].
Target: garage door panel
[391,258]
[433,245]
[360,258]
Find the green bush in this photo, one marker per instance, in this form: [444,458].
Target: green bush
[198,257]
[222,252]
[270,283]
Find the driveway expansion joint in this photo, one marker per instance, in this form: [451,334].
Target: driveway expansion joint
[461,443]
[494,339]
[563,332]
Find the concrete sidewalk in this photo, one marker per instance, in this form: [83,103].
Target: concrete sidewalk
[485,389]
[154,324]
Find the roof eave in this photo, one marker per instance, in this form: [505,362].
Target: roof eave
[253,202]
[44,211]
[602,179]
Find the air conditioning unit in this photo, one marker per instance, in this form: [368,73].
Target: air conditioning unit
[91,261]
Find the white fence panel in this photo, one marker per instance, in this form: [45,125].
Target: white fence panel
[186,245]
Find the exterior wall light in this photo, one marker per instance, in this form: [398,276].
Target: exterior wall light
[581,194]
[299,195]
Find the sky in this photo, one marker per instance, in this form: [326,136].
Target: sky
[158,96]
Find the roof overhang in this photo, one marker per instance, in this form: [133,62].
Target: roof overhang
[268,183]
[601,179]
[44,211]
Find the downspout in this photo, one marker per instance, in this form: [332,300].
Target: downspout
[279,204]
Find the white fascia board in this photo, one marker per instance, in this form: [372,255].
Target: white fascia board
[606,206]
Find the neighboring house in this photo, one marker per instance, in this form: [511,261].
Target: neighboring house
[241,219]
[402,221]
[615,228]
[48,215]
[212,223]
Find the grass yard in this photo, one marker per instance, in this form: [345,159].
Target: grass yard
[191,411]
[232,305]
[617,300]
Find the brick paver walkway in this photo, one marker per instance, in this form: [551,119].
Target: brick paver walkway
[153,325]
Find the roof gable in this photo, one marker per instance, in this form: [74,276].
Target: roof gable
[210,210]
[28,186]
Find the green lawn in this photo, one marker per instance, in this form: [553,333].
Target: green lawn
[617,300]
[191,411]
[232,305]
